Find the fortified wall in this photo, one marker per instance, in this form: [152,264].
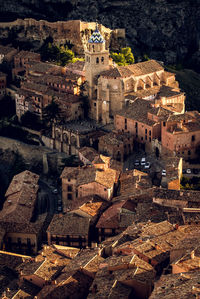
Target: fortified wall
[75,32]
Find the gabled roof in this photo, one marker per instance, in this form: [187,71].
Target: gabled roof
[110,218]
[69,224]
[144,68]
[117,72]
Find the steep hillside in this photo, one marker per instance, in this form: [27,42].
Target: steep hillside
[167,30]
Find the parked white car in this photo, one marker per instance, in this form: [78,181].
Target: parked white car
[147,165]
[143,161]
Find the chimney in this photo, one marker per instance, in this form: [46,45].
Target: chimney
[192,255]
[176,226]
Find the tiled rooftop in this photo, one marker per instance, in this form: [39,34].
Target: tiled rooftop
[144,68]
[6,49]
[69,224]
[114,138]
[184,195]
[90,174]
[42,67]
[179,286]
[76,66]
[137,111]
[28,54]
[20,198]
[111,218]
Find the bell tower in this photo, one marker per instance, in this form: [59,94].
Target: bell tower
[96,61]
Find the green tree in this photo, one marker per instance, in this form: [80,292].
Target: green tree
[146,57]
[128,55]
[52,112]
[31,120]
[125,57]
[59,54]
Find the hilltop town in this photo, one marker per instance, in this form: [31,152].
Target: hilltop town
[112,209]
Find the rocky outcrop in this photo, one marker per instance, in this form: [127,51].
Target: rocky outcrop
[167,30]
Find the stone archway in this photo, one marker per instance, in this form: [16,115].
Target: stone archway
[73,140]
[57,134]
[65,138]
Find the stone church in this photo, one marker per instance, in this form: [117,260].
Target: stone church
[110,86]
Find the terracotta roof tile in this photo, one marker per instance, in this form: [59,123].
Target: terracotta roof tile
[69,224]
[143,68]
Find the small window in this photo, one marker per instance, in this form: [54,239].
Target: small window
[97,60]
[95,104]
[164,124]
[189,153]
[136,124]
[193,137]
[69,188]
[149,139]
[69,196]
[149,133]
[125,120]
[142,138]
[102,59]
[145,131]
[68,180]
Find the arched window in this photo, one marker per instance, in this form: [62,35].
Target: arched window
[102,59]
[97,60]
[93,48]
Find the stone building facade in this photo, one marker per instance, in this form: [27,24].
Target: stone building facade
[181,135]
[109,86]
[116,145]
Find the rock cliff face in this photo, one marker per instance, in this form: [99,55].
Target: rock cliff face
[167,30]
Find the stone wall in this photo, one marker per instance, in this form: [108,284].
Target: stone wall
[33,155]
[74,32]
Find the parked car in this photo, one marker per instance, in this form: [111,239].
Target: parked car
[164,172]
[147,165]
[137,163]
[143,161]
[188,171]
